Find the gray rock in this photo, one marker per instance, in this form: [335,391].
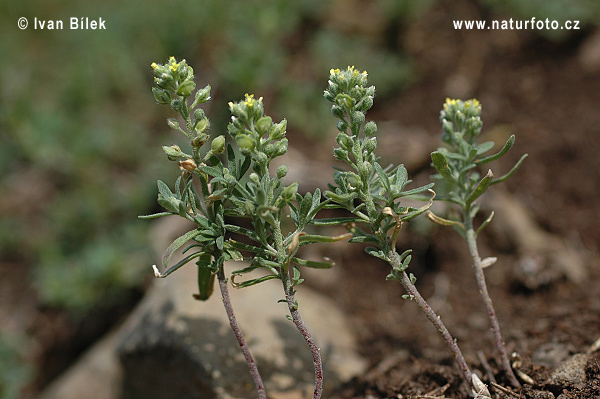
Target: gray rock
[571,372]
[175,346]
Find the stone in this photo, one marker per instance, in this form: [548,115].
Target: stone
[175,346]
[570,373]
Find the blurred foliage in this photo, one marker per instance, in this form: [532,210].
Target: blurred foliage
[15,372]
[587,12]
[79,124]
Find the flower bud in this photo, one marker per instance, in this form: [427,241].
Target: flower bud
[173,152]
[357,118]
[282,171]
[366,104]
[278,130]
[261,158]
[370,144]
[218,145]
[177,105]
[370,128]
[281,147]
[199,114]
[254,178]
[203,95]
[342,126]
[337,111]
[173,124]
[340,154]
[328,96]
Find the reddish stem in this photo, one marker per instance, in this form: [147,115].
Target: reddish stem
[240,338]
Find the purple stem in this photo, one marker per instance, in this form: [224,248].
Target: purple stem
[433,318]
[487,301]
[316,354]
[240,338]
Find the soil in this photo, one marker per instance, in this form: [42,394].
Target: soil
[539,90]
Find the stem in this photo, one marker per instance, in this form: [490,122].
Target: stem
[240,337]
[487,300]
[433,318]
[314,349]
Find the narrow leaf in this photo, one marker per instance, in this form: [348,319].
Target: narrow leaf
[504,150]
[481,187]
[178,243]
[312,238]
[178,265]
[484,147]
[336,221]
[417,190]
[327,264]
[164,190]
[383,177]
[371,239]
[206,278]
[485,223]
[252,282]
[511,172]
[376,253]
[242,230]
[444,222]
[155,215]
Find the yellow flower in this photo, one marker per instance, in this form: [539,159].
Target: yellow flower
[250,100]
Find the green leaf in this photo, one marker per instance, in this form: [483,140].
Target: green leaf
[178,243]
[242,230]
[383,177]
[481,187]
[504,150]
[327,264]
[371,239]
[212,170]
[400,177]
[311,238]
[417,190]
[336,221]
[164,190]
[441,165]
[252,282]
[376,253]
[206,277]
[219,242]
[181,263]
[484,147]
[243,247]
[512,171]
[155,215]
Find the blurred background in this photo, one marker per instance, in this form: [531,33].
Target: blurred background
[81,135]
